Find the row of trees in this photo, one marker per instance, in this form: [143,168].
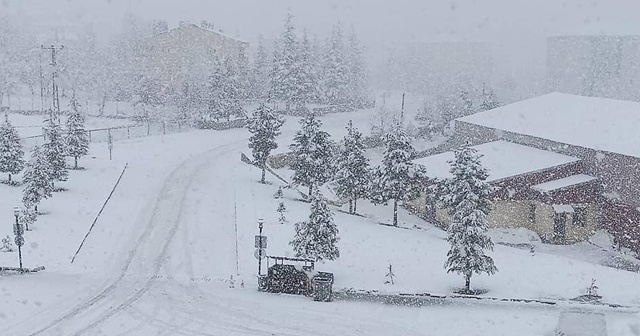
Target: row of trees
[317,160]
[302,70]
[47,163]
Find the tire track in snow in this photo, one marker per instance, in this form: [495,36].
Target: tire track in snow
[143,240]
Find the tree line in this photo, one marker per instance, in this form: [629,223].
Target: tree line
[317,160]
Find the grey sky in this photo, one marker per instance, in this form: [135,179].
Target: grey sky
[375,20]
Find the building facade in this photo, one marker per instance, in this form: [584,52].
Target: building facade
[604,184]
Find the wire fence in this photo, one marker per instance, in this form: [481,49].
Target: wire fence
[118,133]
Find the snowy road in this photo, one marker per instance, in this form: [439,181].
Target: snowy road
[198,232]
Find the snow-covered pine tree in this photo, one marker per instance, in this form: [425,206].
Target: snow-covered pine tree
[397,178]
[317,238]
[54,152]
[335,72]
[11,153]
[7,245]
[260,72]
[282,219]
[489,99]
[356,84]
[307,77]
[76,137]
[466,195]
[38,184]
[312,152]
[28,217]
[352,168]
[264,127]
[285,74]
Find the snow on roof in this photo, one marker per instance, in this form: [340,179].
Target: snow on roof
[563,182]
[562,208]
[501,158]
[596,123]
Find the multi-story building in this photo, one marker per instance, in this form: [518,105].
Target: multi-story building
[189,50]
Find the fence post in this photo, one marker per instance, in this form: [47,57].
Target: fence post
[128,133]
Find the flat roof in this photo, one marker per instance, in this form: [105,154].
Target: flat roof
[502,159]
[597,123]
[566,182]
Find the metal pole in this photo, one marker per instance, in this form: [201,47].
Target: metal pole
[260,223]
[19,245]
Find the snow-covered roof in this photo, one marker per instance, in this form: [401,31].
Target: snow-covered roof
[596,123]
[562,208]
[563,183]
[502,159]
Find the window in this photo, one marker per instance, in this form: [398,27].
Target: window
[532,213]
[579,216]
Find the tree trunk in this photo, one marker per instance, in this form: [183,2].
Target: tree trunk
[310,190]
[264,170]
[76,162]
[355,205]
[467,282]
[36,208]
[395,212]
[350,206]
[9,178]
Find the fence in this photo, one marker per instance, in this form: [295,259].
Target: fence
[98,135]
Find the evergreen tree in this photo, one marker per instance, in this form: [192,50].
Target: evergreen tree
[76,137]
[317,237]
[466,195]
[312,152]
[224,86]
[489,99]
[286,71]
[356,87]
[397,178]
[264,127]
[281,210]
[335,70]
[54,152]
[11,153]
[307,77]
[28,217]
[260,72]
[37,179]
[352,171]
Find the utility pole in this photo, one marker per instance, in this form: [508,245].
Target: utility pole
[55,112]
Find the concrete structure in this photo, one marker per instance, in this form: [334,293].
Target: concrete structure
[600,133]
[189,50]
[598,66]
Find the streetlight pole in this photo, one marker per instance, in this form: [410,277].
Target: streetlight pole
[18,232]
[260,225]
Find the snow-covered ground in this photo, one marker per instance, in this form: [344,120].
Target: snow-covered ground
[181,223]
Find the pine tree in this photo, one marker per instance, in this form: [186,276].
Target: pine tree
[264,127]
[397,178]
[37,179]
[11,153]
[312,153]
[489,99]
[356,84]
[285,74]
[282,219]
[76,137]
[307,77]
[335,71]
[352,171]
[317,237]
[224,92]
[28,217]
[466,195]
[7,245]
[260,72]
[54,152]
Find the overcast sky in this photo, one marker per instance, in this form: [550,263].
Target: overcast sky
[515,29]
[375,20]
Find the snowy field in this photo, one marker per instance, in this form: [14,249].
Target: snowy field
[181,223]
